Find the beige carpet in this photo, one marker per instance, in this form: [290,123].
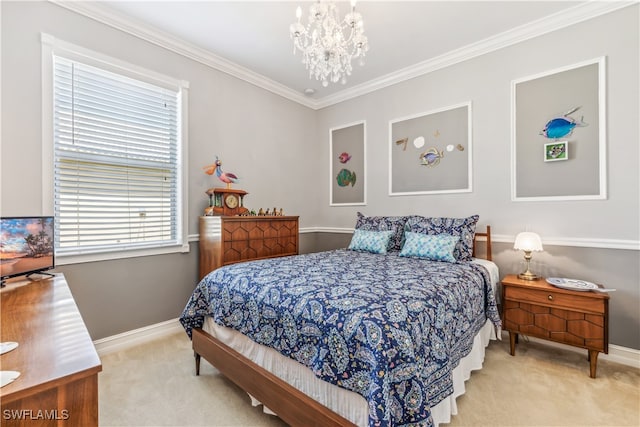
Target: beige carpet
[154,385]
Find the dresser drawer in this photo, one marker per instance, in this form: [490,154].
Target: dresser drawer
[229,239]
[555,299]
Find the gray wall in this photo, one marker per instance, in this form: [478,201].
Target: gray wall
[266,140]
[261,137]
[603,226]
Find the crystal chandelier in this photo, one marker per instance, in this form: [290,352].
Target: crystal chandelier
[326,50]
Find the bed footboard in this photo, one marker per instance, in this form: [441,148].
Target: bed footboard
[292,406]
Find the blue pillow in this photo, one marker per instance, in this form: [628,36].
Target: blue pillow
[370,241]
[384,223]
[438,247]
[464,228]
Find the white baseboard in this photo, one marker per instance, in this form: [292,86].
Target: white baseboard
[624,355]
[138,336]
[618,354]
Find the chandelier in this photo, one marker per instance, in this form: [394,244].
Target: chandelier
[327,43]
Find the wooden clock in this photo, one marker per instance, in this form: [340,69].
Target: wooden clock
[226,201]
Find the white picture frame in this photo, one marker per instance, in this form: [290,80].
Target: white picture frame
[574,96]
[444,132]
[348,165]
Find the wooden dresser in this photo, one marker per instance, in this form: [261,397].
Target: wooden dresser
[57,361]
[541,310]
[229,239]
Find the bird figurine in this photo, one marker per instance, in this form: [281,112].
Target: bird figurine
[226,177]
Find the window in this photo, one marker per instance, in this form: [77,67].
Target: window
[117,150]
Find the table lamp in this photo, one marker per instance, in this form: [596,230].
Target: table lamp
[528,242]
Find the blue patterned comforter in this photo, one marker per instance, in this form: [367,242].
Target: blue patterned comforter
[387,327]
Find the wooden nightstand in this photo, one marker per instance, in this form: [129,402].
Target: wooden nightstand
[541,310]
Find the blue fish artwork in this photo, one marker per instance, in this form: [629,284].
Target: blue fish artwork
[431,157]
[562,126]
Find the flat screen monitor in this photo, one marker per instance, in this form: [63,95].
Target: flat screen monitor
[26,245]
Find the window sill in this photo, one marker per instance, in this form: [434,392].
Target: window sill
[122,254]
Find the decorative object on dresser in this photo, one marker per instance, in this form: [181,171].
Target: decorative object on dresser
[226,201]
[528,242]
[56,358]
[538,309]
[216,167]
[229,239]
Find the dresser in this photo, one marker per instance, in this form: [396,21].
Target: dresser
[540,310]
[57,361]
[230,239]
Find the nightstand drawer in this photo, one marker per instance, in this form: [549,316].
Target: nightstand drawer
[555,299]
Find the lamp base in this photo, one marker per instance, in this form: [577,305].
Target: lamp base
[527,275]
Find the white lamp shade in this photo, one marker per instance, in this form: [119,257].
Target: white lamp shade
[527,241]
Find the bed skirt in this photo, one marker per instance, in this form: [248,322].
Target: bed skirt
[348,404]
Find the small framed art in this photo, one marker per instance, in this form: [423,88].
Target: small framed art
[555,151]
[347,165]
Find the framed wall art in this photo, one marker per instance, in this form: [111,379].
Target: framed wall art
[347,165]
[557,150]
[430,153]
[559,115]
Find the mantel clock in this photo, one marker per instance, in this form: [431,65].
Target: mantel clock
[226,201]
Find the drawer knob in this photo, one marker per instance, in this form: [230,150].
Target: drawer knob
[550,297]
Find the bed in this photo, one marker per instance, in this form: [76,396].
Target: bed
[373,334]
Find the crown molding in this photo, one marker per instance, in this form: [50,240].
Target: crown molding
[559,20]
[160,38]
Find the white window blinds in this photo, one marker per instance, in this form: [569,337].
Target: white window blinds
[115,161]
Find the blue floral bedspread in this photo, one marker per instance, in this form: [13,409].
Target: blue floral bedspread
[387,327]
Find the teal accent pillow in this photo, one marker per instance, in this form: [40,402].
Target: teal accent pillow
[465,228]
[438,247]
[370,241]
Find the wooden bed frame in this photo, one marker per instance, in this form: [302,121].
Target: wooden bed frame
[292,406]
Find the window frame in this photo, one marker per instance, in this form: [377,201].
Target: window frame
[52,46]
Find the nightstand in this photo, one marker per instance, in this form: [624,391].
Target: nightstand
[538,309]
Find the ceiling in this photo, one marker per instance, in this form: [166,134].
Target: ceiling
[405,37]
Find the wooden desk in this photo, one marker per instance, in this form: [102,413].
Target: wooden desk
[57,361]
